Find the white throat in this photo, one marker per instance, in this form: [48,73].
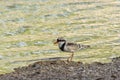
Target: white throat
[60,44]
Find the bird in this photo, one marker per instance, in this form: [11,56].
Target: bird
[71,47]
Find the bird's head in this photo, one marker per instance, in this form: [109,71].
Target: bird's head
[59,40]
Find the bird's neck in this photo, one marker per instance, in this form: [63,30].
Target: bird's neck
[62,45]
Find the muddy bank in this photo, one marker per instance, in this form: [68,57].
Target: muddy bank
[60,70]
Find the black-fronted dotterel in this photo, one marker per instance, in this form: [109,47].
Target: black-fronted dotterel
[69,47]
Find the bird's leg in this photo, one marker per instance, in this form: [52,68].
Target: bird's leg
[71,56]
[68,59]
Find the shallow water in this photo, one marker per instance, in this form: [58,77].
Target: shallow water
[28,29]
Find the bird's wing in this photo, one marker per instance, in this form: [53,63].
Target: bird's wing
[72,47]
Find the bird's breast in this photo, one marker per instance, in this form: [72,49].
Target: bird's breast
[62,46]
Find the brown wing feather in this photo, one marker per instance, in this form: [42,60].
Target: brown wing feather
[72,47]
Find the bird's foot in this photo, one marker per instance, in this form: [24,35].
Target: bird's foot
[69,59]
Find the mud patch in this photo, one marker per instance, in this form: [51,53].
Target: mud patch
[62,70]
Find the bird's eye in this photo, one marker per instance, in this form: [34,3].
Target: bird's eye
[57,39]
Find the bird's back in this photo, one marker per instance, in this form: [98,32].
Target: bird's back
[72,47]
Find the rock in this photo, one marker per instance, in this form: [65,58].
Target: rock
[21,44]
[1,57]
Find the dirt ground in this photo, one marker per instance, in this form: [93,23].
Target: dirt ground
[61,70]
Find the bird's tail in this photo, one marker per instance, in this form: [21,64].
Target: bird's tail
[83,46]
[87,46]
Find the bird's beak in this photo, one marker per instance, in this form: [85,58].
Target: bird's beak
[55,42]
